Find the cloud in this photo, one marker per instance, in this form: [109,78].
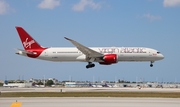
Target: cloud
[86,3]
[4,7]
[151,17]
[49,4]
[171,3]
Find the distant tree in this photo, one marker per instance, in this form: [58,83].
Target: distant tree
[122,81]
[10,81]
[1,84]
[119,80]
[20,82]
[40,83]
[128,82]
[49,83]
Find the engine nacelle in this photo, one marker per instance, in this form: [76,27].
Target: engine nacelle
[109,59]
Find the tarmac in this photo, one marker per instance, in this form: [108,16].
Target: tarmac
[90,102]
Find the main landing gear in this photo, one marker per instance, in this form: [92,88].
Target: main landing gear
[90,65]
[151,65]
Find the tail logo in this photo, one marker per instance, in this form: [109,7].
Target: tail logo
[27,44]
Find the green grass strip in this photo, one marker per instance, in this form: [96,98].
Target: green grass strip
[91,94]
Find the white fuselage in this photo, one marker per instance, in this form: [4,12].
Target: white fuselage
[81,53]
[70,54]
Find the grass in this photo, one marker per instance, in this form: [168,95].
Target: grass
[91,94]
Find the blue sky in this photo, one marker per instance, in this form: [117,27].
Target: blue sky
[145,23]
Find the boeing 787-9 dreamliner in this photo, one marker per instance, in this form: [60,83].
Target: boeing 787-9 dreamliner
[81,53]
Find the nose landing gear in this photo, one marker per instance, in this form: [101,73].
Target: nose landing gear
[151,65]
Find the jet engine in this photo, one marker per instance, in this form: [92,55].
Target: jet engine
[109,59]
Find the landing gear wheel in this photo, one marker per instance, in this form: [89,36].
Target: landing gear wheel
[90,65]
[87,66]
[151,65]
[93,65]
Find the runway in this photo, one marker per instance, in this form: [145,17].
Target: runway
[92,102]
[5,90]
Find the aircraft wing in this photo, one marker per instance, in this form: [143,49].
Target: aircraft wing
[85,50]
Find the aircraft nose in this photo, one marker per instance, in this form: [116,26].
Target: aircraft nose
[161,56]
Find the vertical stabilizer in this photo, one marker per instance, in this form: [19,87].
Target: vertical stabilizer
[27,41]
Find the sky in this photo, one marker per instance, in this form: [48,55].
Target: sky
[93,23]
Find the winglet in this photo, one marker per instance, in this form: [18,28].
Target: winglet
[67,38]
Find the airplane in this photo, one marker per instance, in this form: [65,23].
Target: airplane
[106,85]
[81,53]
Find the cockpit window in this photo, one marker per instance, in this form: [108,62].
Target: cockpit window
[158,52]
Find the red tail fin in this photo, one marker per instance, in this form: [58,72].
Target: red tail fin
[27,41]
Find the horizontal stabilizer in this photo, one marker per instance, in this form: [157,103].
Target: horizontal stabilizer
[24,51]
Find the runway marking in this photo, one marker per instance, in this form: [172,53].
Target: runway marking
[16,104]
